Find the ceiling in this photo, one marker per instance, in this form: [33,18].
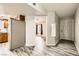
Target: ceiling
[17,8]
[62,9]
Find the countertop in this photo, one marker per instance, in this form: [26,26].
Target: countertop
[3,31]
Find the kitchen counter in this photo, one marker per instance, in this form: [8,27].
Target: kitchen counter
[3,31]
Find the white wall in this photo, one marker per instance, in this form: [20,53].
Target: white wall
[30,31]
[52,18]
[44,28]
[77,29]
[57,28]
[67,30]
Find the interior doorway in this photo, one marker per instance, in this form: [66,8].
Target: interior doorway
[39,29]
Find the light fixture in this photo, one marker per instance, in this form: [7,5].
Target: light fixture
[34,3]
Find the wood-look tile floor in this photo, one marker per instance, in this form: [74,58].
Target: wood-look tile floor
[64,48]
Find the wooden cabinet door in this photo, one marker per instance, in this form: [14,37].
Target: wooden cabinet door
[5,24]
[0,38]
[4,37]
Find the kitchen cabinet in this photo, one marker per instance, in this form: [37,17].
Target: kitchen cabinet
[5,24]
[22,17]
[3,37]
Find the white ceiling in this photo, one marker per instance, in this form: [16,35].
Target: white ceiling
[62,9]
[17,8]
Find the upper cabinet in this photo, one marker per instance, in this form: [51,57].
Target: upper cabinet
[22,17]
[5,23]
[19,17]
